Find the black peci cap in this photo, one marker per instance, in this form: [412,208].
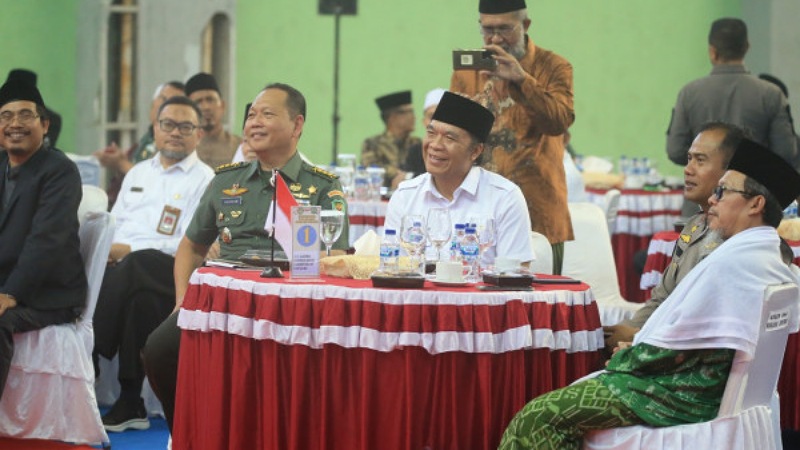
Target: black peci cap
[466,114]
[201,81]
[500,6]
[393,100]
[769,169]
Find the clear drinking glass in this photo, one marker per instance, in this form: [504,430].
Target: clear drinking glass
[439,228]
[412,238]
[331,223]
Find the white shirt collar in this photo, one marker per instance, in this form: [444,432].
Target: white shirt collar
[183,165]
[469,185]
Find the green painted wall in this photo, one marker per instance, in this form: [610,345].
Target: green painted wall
[630,58]
[40,35]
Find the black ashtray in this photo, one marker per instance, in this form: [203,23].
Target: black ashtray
[398,282]
[507,280]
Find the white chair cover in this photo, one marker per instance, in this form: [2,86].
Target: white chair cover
[543,252]
[590,258]
[50,388]
[94,199]
[745,420]
[90,169]
[611,208]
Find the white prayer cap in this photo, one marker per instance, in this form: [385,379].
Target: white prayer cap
[433,97]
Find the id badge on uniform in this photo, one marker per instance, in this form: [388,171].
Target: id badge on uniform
[169,220]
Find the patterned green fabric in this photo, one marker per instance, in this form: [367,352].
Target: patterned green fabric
[557,420]
[645,385]
[669,387]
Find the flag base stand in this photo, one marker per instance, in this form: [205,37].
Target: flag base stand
[272,272]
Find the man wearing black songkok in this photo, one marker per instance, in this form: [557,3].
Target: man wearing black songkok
[218,146]
[390,148]
[42,281]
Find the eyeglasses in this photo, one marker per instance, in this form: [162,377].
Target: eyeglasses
[24,117]
[185,128]
[719,190]
[504,31]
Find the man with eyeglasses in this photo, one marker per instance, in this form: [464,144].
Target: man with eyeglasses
[42,280]
[707,159]
[677,368]
[156,203]
[390,148]
[530,94]
[217,146]
[120,161]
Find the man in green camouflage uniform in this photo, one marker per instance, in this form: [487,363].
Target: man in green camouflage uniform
[234,209]
[390,148]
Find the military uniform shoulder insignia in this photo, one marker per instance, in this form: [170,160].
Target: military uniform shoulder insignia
[230,166]
[322,172]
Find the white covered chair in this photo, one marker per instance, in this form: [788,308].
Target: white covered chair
[590,259]
[544,254]
[94,199]
[50,389]
[611,208]
[746,419]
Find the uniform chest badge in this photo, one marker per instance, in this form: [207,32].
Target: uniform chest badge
[295,187]
[234,190]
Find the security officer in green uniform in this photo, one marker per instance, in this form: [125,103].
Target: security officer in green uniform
[234,209]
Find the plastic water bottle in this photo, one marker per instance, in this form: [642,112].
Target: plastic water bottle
[361,185]
[375,174]
[470,254]
[623,165]
[390,252]
[455,242]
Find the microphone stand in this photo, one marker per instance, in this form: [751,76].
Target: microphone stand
[272,270]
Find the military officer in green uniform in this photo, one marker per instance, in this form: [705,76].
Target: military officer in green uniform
[235,206]
[234,209]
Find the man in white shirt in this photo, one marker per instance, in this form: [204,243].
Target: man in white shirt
[153,210]
[451,150]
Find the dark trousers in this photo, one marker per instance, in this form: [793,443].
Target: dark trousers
[20,319]
[160,357]
[136,296]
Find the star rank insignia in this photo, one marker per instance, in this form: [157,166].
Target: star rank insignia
[234,190]
[312,190]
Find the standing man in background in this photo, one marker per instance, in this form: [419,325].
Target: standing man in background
[732,94]
[390,148]
[530,94]
[218,146]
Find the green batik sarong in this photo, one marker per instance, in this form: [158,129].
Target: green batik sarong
[557,420]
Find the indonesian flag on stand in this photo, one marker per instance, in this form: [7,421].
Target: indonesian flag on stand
[283,214]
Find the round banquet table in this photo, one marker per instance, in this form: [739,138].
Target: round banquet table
[365,216]
[641,214]
[338,364]
[659,255]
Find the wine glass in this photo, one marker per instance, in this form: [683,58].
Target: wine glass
[487,233]
[412,238]
[439,228]
[331,224]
